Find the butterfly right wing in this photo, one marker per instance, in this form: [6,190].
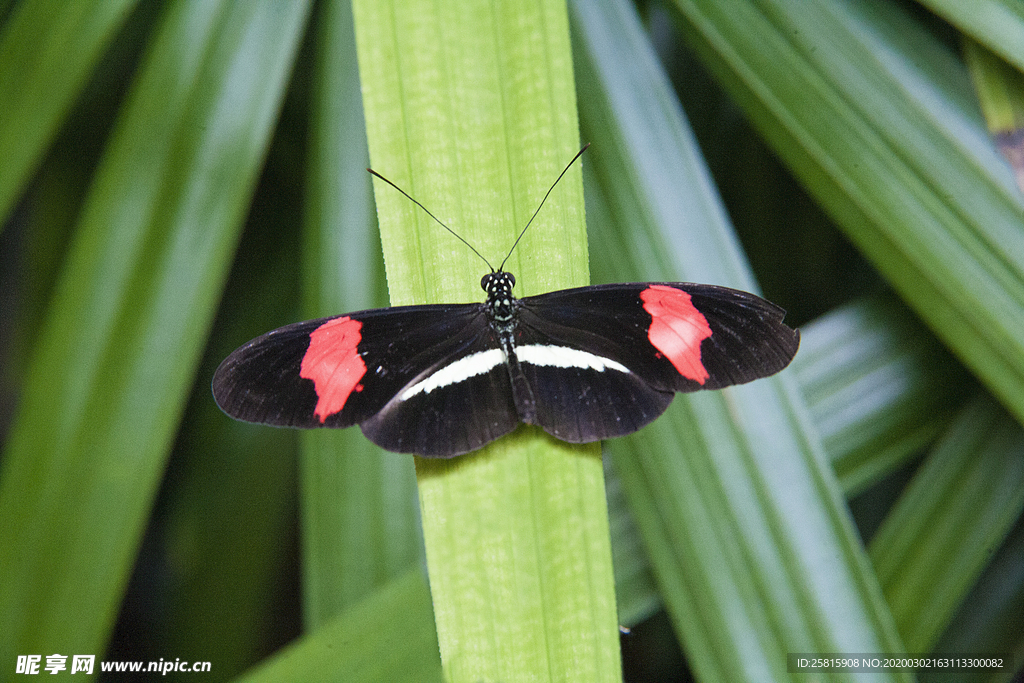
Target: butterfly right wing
[604,361]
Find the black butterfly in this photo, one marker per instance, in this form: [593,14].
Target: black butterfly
[441,380]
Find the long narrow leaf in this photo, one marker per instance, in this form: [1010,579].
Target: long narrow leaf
[879,386]
[470,108]
[878,121]
[129,318]
[221,538]
[360,517]
[1000,90]
[961,503]
[748,534]
[47,51]
[991,617]
[388,636]
[998,24]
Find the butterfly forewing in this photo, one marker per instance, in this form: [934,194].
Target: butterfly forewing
[749,339]
[260,382]
[676,336]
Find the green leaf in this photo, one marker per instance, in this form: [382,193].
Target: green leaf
[636,593]
[960,505]
[221,536]
[998,24]
[470,108]
[879,386]
[989,618]
[388,636]
[48,49]
[877,120]
[1000,90]
[129,318]
[748,534]
[360,517]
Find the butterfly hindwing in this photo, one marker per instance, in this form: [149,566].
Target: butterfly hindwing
[458,404]
[582,386]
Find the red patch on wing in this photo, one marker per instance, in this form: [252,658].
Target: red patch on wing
[677,329]
[333,362]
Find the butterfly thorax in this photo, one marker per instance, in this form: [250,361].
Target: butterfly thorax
[500,301]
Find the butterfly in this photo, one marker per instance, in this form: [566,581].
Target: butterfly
[441,380]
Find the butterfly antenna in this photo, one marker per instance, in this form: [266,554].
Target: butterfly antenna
[439,221]
[529,222]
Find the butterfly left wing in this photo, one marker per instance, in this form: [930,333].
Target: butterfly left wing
[604,361]
[415,378]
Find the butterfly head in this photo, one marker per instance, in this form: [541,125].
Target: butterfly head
[498,286]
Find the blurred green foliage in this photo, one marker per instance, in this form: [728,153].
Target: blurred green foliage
[160,209]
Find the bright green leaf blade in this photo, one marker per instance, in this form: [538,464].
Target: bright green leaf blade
[470,107]
[129,318]
[360,512]
[753,547]
[879,386]
[388,636]
[878,122]
[48,49]
[960,505]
